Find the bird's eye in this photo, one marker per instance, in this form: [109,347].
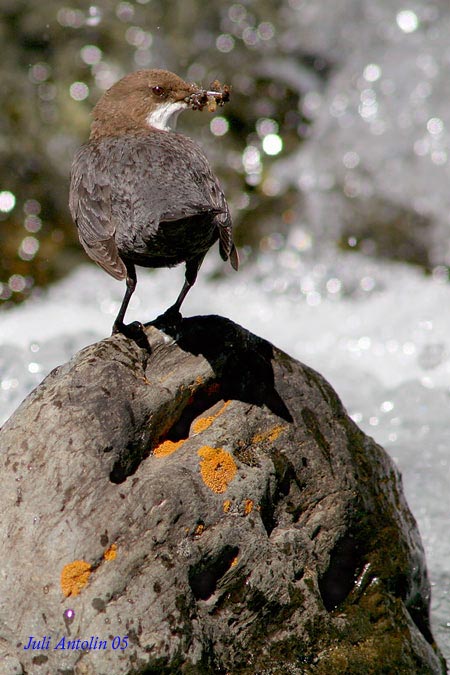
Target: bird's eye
[158,91]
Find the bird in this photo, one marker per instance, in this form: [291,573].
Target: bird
[142,193]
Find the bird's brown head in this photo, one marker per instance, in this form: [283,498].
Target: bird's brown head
[148,99]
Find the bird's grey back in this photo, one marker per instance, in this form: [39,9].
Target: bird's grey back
[124,187]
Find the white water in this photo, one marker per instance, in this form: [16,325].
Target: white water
[379,332]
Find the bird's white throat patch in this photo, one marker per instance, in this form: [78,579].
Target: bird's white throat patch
[164,117]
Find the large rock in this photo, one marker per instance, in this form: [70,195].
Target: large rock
[206,507]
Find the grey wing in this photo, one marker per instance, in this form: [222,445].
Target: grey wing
[90,206]
[205,196]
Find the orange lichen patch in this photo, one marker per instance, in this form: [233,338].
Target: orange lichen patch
[167,448]
[226,505]
[248,506]
[268,435]
[204,422]
[199,530]
[194,386]
[74,577]
[234,562]
[223,408]
[111,552]
[217,468]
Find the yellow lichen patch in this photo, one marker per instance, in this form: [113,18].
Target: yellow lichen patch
[226,505]
[204,422]
[217,468]
[111,552]
[167,448]
[268,435]
[74,577]
[248,506]
[234,562]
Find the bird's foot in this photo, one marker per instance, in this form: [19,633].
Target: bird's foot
[170,321]
[134,331]
[127,329]
[172,315]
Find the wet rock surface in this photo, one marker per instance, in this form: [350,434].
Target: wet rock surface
[203,507]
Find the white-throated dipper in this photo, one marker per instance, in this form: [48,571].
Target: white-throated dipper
[141,194]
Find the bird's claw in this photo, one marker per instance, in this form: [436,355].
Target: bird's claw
[126,328]
[134,331]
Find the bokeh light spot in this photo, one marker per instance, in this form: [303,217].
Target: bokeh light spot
[251,159]
[70,18]
[266,30]
[351,159]
[28,248]
[91,54]
[372,72]
[138,38]
[39,72]
[435,126]
[7,201]
[407,21]
[79,91]
[17,283]
[94,16]
[272,144]
[219,126]
[33,223]
[225,43]
[266,126]
[237,13]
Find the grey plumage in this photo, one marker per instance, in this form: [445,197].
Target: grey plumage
[148,197]
[153,201]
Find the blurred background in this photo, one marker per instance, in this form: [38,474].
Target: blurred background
[337,130]
[59,58]
[334,155]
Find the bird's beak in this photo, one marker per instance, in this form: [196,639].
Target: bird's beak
[200,98]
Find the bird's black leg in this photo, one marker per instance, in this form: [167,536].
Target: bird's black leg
[192,268]
[172,315]
[119,326]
